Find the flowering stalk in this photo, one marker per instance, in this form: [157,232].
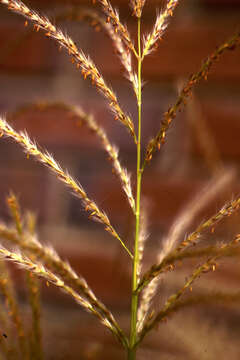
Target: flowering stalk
[134,306]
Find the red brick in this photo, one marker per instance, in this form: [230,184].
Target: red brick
[25,50]
[180,53]
[222,120]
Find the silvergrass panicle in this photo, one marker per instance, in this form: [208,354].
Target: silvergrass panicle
[209,265]
[77,13]
[168,264]
[226,211]
[150,41]
[14,208]
[7,290]
[35,336]
[43,261]
[137,6]
[36,251]
[143,235]
[203,72]
[192,239]
[32,283]
[171,304]
[178,228]
[88,68]
[31,149]
[40,271]
[213,298]
[91,123]
[113,18]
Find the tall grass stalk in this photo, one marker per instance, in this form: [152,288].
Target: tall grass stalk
[133,334]
[42,261]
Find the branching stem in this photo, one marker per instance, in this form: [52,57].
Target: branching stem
[133,334]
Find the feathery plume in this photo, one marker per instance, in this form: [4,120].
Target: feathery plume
[7,290]
[149,42]
[209,265]
[168,117]
[167,264]
[113,18]
[14,207]
[172,302]
[92,124]
[123,52]
[137,6]
[45,158]
[177,229]
[78,57]
[35,250]
[35,337]
[41,271]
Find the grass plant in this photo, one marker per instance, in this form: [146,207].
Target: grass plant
[41,261]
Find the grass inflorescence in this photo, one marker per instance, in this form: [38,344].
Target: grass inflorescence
[40,261]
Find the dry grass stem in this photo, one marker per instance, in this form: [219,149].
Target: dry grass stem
[40,271]
[159,139]
[125,56]
[36,251]
[214,187]
[150,323]
[168,264]
[150,41]
[31,149]
[137,6]
[227,210]
[178,228]
[77,56]
[143,235]
[112,152]
[212,298]
[100,133]
[39,260]
[35,337]
[7,290]
[113,18]
[33,286]
[14,208]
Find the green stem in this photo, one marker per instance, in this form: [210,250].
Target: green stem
[133,334]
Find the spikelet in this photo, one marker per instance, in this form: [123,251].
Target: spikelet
[100,133]
[31,148]
[149,42]
[227,210]
[113,18]
[35,250]
[40,271]
[112,152]
[35,336]
[122,50]
[150,278]
[209,265]
[171,304]
[78,57]
[7,290]
[194,79]
[137,6]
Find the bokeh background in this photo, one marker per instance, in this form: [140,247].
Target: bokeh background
[203,140]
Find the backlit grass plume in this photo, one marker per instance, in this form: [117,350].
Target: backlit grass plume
[19,241]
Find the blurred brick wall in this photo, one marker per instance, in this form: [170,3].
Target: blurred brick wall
[33,70]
